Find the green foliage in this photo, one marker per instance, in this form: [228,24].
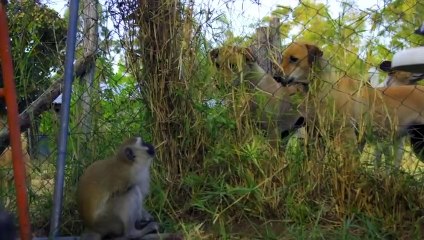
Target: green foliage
[37,39]
[342,37]
[407,16]
[117,111]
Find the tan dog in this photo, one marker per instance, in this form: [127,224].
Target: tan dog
[396,78]
[390,112]
[272,102]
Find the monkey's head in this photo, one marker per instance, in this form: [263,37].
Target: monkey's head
[135,150]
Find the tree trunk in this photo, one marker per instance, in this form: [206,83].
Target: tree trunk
[90,45]
[267,46]
[161,34]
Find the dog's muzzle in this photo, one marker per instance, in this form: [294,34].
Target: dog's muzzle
[417,77]
[279,79]
[283,80]
[286,81]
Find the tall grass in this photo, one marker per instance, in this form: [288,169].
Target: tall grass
[221,178]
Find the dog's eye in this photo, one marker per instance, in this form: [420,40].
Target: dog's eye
[293,59]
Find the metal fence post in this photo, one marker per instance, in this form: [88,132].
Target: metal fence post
[64,120]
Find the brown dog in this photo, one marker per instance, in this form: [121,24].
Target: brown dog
[396,78]
[390,112]
[272,102]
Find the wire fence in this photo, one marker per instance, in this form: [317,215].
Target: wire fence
[169,92]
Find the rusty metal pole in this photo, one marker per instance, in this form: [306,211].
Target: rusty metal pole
[9,93]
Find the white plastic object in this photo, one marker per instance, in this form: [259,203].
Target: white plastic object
[409,60]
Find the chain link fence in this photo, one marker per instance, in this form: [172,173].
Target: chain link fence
[128,85]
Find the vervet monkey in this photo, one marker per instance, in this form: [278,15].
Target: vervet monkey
[111,192]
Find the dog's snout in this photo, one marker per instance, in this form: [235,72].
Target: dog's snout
[284,80]
[279,78]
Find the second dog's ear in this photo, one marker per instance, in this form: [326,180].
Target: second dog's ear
[386,66]
[313,53]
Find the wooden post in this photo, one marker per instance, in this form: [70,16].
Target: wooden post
[267,45]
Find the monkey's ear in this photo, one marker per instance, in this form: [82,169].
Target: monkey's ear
[313,53]
[386,66]
[129,154]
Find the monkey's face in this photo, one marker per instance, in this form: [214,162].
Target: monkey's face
[135,150]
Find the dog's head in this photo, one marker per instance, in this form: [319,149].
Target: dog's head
[397,78]
[297,62]
[231,60]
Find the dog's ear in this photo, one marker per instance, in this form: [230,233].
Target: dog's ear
[313,53]
[386,66]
